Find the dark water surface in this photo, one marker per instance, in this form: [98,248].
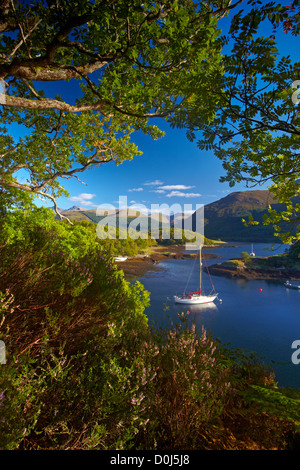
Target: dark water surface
[256,315]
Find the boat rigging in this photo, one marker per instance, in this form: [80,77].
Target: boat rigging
[197,297]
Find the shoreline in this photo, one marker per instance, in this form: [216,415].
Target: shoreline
[275,274]
[139,265]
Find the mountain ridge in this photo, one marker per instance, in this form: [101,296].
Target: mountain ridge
[222,218]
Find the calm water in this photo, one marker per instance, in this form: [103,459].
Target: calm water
[261,316]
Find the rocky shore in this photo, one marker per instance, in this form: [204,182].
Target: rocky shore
[238,272]
[139,265]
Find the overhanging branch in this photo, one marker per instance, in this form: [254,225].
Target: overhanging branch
[28,188]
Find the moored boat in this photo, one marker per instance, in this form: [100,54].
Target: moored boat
[290,285]
[197,297]
[121,258]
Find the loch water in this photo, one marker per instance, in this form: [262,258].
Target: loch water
[262,316]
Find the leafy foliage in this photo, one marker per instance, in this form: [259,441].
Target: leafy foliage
[277,402]
[127,62]
[255,132]
[294,252]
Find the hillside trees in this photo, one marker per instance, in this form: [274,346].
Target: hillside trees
[256,129]
[80,77]
[66,314]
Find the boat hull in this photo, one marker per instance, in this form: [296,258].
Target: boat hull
[197,299]
[291,286]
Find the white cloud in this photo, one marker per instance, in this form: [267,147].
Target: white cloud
[139,207]
[159,191]
[135,189]
[175,187]
[154,183]
[83,199]
[181,194]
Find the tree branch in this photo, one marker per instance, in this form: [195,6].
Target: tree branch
[25,187]
[47,72]
[221,12]
[47,103]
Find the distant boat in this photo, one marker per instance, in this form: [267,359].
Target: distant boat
[252,252]
[290,285]
[121,258]
[196,297]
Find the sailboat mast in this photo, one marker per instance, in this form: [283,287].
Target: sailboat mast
[200,267]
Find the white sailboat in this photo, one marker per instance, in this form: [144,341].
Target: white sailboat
[290,285]
[196,297]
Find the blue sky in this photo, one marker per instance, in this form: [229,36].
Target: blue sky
[171,170]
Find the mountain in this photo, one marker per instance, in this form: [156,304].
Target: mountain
[121,217]
[223,218]
[74,208]
[71,209]
[178,219]
[59,209]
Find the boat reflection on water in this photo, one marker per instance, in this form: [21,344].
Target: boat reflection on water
[198,313]
[199,308]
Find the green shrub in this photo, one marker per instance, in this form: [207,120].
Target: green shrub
[67,294]
[85,371]
[245,256]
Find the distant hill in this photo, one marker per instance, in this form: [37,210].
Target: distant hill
[223,218]
[75,208]
[95,215]
[122,217]
[75,215]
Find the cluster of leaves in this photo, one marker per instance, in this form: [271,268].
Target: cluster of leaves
[126,62]
[256,128]
[294,251]
[85,371]
[67,292]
